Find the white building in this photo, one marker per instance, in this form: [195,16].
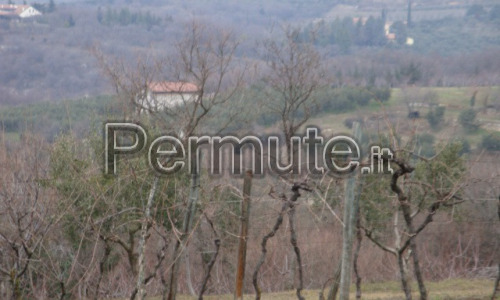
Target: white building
[18,11]
[168,94]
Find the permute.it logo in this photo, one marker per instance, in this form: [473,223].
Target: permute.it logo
[338,156]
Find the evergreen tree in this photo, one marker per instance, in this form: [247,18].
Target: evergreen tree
[408,17]
[374,32]
[359,33]
[495,13]
[109,18]
[477,11]
[99,15]
[435,116]
[473,99]
[491,142]
[343,34]
[52,6]
[399,29]
[71,21]
[467,119]
[383,15]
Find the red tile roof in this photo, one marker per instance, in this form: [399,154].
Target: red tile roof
[12,9]
[173,87]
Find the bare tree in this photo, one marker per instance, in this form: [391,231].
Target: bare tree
[104,215]
[294,73]
[421,191]
[289,204]
[208,59]
[212,260]
[27,214]
[205,57]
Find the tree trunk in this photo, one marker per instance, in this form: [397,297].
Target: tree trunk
[142,243]
[263,246]
[290,269]
[293,241]
[418,272]
[289,149]
[209,269]
[107,252]
[186,227]
[405,207]
[404,276]
[189,281]
[332,294]
[359,238]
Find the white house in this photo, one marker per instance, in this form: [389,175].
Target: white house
[168,94]
[18,11]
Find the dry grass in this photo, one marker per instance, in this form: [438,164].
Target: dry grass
[448,289]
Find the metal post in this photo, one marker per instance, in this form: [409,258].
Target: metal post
[350,207]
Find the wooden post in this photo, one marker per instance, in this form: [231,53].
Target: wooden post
[351,202]
[242,248]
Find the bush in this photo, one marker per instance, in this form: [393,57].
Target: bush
[335,101]
[381,94]
[342,103]
[426,138]
[435,116]
[495,13]
[491,142]
[346,99]
[425,145]
[476,11]
[465,145]
[360,96]
[467,119]
[349,122]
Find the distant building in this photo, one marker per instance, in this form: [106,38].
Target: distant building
[168,94]
[13,11]
[387,28]
[357,19]
[391,36]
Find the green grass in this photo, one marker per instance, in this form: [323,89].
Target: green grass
[10,136]
[54,116]
[455,99]
[447,289]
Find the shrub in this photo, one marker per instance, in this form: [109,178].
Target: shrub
[491,142]
[467,119]
[349,122]
[435,116]
[465,145]
[476,11]
[360,96]
[381,94]
[425,145]
[426,138]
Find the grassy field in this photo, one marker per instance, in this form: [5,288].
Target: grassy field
[57,116]
[454,99]
[449,289]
